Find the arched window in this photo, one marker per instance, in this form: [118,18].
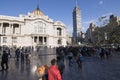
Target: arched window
[40,27]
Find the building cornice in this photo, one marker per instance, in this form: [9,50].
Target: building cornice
[4,18]
[12,21]
[60,25]
[33,19]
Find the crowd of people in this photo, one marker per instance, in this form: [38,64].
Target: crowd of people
[56,70]
[77,54]
[16,53]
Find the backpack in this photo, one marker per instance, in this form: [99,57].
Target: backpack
[41,70]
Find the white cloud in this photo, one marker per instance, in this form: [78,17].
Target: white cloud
[87,23]
[107,14]
[100,2]
[84,29]
[90,21]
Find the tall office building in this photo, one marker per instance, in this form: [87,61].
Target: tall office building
[77,25]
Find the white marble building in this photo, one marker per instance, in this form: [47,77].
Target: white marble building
[34,29]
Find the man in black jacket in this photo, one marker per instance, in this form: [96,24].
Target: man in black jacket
[4,61]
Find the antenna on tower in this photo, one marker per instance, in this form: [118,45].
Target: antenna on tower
[76,3]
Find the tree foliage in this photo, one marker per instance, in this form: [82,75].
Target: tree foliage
[113,34]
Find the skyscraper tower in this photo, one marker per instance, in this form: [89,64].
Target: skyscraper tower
[77,25]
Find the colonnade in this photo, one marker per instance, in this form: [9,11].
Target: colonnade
[40,40]
[10,28]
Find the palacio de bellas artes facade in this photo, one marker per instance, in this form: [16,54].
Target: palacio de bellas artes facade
[34,29]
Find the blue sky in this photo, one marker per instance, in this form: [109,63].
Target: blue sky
[61,10]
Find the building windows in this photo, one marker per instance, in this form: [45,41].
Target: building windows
[4,39]
[14,39]
[35,39]
[16,29]
[40,27]
[5,26]
[59,41]
[59,31]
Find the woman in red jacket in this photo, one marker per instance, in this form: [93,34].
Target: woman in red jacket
[53,71]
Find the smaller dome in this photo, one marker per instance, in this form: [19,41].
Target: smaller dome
[37,12]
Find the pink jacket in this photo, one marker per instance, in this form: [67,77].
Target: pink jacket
[54,73]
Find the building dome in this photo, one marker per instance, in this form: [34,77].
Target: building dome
[37,12]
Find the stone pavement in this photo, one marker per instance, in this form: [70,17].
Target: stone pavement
[93,69]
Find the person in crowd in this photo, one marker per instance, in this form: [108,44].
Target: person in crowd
[22,56]
[108,53]
[70,56]
[4,61]
[80,59]
[102,54]
[42,72]
[60,64]
[9,53]
[45,76]
[28,58]
[17,53]
[97,50]
[118,48]
[53,71]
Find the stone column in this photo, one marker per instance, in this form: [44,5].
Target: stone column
[32,40]
[46,41]
[43,40]
[61,32]
[1,28]
[19,28]
[37,40]
[11,29]
[1,25]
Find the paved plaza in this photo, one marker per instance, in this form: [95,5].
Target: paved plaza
[93,68]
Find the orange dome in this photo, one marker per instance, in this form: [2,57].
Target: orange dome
[37,12]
